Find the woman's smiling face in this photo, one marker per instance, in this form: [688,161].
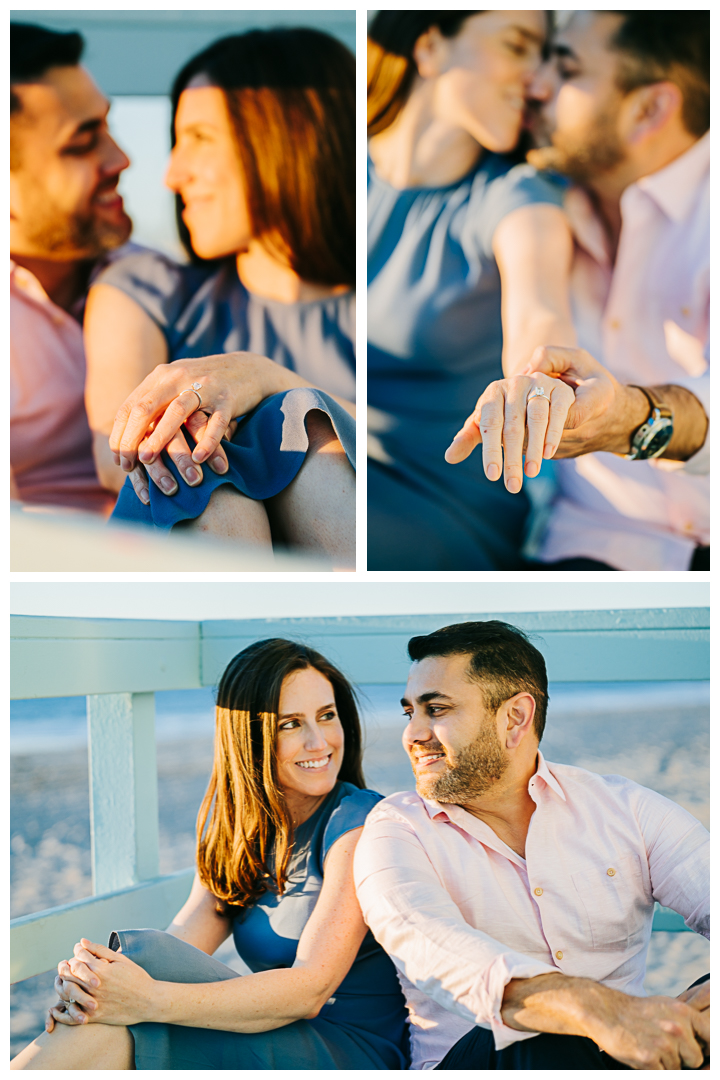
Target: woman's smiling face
[482,74]
[310,739]
[205,172]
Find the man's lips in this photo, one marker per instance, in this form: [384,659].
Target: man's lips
[427,758]
[109,200]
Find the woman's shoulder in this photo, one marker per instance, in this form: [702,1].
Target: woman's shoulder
[160,284]
[351,805]
[504,185]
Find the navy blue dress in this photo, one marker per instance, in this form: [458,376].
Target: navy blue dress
[362,1026]
[203,311]
[434,344]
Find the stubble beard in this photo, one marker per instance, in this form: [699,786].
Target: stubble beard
[477,768]
[583,161]
[78,237]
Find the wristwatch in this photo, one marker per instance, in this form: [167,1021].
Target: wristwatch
[651,438]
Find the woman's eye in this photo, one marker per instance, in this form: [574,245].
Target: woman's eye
[289,725]
[328,716]
[517,50]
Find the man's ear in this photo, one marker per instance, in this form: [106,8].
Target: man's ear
[519,717]
[649,109]
[428,53]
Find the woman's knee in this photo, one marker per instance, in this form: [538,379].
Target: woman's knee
[322,437]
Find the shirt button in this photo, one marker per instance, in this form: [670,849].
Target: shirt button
[611,872]
[559,954]
[685,310]
[614,324]
[538,892]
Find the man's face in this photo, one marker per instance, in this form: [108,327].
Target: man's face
[451,738]
[64,172]
[578,103]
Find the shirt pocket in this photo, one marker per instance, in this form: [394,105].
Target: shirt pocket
[613,896]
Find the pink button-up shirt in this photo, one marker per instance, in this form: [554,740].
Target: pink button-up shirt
[461,913]
[647,320]
[50,440]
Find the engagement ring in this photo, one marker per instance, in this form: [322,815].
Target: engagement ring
[193,390]
[537,391]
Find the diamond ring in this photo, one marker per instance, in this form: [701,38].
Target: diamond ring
[193,390]
[537,391]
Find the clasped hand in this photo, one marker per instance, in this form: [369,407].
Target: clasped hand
[98,985]
[152,417]
[582,408]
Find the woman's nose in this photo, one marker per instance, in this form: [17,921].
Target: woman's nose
[315,738]
[175,172]
[541,84]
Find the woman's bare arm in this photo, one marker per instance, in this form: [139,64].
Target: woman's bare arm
[533,247]
[258,1002]
[199,923]
[122,346]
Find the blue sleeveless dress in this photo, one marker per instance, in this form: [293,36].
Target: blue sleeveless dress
[203,311]
[362,1026]
[434,344]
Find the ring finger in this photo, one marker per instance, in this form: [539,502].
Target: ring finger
[538,411]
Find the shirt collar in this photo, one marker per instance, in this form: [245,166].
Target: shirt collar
[675,187]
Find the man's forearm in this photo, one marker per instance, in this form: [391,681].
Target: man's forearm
[556,1004]
[690,424]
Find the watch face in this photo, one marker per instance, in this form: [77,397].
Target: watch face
[659,439]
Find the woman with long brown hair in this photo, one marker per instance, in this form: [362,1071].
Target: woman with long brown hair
[277,831]
[469,257]
[263,170]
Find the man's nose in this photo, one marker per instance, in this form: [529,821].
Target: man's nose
[174,171]
[115,160]
[418,728]
[541,86]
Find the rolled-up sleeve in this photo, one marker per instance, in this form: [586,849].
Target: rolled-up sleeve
[416,921]
[678,851]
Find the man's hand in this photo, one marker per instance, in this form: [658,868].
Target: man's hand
[643,1033]
[605,413]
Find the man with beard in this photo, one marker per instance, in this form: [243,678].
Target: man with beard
[625,102]
[66,216]
[516,896]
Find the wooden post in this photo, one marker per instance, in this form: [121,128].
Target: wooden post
[123,790]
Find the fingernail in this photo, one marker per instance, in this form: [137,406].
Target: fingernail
[146,456]
[126,463]
[192,475]
[199,454]
[549,450]
[144,496]
[531,468]
[168,484]
[513,485]
[219,464]
[493,472]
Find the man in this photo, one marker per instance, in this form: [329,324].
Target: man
[65,217]
[626,101]
[516,896]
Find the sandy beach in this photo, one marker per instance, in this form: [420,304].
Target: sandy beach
[664,748]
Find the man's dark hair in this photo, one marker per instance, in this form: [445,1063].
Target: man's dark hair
[668,45]
[502,660]
[35,49]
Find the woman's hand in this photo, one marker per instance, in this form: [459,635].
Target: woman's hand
[510,415]
[231,385]
[105,986]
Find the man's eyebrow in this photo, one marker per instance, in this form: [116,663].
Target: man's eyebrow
[430,695]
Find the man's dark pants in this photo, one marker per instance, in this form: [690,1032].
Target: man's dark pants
[476,1050]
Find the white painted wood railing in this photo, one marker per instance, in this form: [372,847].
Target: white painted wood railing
[119,664]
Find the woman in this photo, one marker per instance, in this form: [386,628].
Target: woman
[276,835]
[454,216]
[263,168]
